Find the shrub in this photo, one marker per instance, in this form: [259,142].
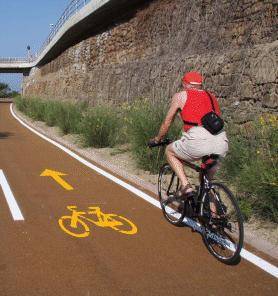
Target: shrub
[68,117]
[21,104]
[32,107]
[252,166]
[143,121]
[100,127]
[51,108]
[35,109]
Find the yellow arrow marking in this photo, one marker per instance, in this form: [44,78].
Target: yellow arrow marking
[57,177]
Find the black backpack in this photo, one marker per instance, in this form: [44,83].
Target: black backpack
[210,121]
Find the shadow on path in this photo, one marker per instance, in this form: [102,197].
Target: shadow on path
[4,135]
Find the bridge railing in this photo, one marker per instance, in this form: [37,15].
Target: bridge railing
[15,60]
[73,7]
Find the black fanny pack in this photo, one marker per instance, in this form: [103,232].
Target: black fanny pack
[210,121]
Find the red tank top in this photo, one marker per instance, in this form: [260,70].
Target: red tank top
[196,106]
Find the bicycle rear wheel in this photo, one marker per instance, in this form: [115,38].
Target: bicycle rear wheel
[81,230]
[223,231]
[173,209]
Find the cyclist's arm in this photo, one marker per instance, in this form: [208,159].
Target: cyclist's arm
[174,108]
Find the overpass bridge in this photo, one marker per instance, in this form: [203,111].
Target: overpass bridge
[81,19]
[16,65]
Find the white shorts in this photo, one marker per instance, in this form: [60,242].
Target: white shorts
[198,142]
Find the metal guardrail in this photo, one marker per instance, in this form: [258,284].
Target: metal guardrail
[73,7]
[14,60]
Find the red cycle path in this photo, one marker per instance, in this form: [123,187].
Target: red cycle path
[38,258]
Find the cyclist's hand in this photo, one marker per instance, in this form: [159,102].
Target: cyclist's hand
[152,142]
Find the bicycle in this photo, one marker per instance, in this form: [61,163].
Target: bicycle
[75,226]
[213,208]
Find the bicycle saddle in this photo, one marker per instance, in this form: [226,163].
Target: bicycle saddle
[208,161]
[210,156]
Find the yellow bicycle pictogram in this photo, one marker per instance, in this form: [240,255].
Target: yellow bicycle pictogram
[75,225]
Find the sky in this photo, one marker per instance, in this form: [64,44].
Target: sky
[23,23]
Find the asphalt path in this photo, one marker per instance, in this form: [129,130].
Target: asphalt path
[38,257]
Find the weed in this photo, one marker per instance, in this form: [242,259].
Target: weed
[100,127]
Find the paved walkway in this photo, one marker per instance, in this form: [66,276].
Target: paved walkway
[144,256]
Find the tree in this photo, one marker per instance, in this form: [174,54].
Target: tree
[6,92]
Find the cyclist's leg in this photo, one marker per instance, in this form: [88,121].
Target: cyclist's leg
[178,167]
[219,145]
[186,148]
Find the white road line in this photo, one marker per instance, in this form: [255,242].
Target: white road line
[14,208]
[259,262]
[273,270]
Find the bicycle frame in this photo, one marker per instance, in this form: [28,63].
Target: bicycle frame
[203,189]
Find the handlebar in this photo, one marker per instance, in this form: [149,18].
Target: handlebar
[164,142]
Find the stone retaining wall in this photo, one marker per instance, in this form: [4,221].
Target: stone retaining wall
[233,43]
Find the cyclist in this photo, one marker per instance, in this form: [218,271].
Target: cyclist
[192,103]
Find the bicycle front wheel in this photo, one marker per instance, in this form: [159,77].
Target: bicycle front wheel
[223,231]
[121,224]
[173,209]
